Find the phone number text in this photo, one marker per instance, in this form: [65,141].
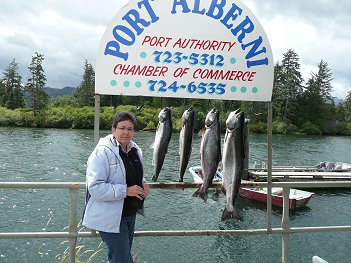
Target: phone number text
[193,59]
[191,87]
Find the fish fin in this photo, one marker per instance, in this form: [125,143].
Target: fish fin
[223,190]
[225,137]
[152,145]
[153,162]
[202,131]
[196,193]
[231,214]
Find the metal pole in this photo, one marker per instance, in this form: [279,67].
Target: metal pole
[269,167]
[245,175]
[72,229]
[96,119]
[285,224]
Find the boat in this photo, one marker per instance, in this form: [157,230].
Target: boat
[334,166]
[320,167]
[297,198]
[323,171]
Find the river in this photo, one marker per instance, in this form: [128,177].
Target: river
[53,155]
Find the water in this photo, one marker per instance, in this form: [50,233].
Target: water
[54,155]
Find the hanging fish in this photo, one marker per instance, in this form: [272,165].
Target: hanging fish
[162,139]
[210,152]
[186,140]
[233,161]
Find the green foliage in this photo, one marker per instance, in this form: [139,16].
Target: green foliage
[36,83]
[258,127]
[11,94]
[311,129]
[83,118]
[64,101]
[347,130]
[2,94]
[287,85]
[17,117]
[57,117]
[281,127]
[86,90]
[148,120]
[106,116]
[347,107]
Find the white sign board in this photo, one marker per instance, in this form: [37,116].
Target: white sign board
[208,49]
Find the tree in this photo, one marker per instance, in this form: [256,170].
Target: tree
[288,85]
[36,83]
[316,104]
[323,81]
[2,93]
[86,90]
[278,91]
[13,97]
[347,106]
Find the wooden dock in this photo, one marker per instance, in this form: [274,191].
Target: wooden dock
[300,174]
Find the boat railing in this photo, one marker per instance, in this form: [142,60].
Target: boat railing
[73,233]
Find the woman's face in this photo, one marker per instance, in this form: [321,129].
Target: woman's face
[123,132]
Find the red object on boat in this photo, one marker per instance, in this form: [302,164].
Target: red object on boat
[297,198]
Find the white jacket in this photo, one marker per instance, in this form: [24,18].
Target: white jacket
[106,183]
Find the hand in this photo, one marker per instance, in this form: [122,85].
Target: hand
[136,191]
[146,189]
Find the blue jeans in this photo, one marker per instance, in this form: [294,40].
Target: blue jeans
[120,244]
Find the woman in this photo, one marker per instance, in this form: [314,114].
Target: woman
[116,188]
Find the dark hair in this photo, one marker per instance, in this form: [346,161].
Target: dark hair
[124,116]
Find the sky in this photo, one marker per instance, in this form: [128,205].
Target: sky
[68,32]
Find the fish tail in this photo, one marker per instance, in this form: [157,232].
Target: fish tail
[181,177]
[203,196]
[199,193]
[231,214]
[154,178]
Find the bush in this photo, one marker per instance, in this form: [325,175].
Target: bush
[258,127]
[281,127]
[311,129]
[17,117]
[147,119]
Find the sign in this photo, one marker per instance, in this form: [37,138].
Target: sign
[207,49]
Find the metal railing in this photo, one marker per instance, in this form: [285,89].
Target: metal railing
[285,230]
